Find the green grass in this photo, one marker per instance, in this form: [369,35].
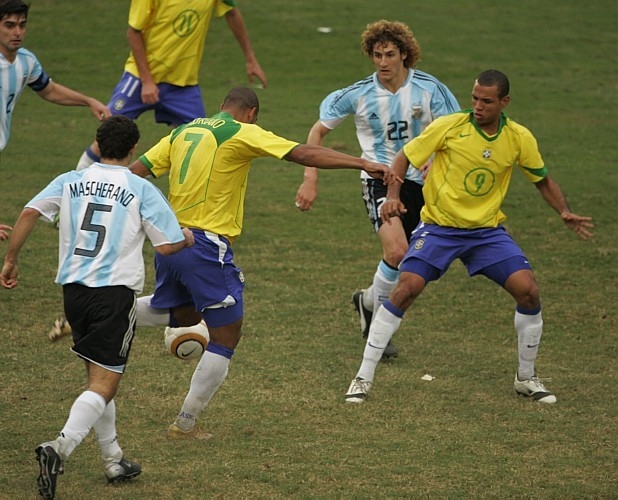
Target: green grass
[280,424]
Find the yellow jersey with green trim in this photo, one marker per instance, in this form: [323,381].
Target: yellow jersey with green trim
[471,171]
[208,162]
[174,32]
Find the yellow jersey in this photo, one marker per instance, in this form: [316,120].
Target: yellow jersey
[174,33]
[471,171]
[208,163]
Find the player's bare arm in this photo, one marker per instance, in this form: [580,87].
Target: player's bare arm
[138,168]
[308,190]
[392,206]
[59,94]
[555,198]
[150,91]
[9,277]
[237,25]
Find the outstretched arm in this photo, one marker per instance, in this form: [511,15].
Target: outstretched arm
[553,195]
[138,168]
[59,94]
[321,157]
[23,227]
[237,25]
[308,190]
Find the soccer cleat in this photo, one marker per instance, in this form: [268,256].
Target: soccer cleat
[358,390]
[124,470]
[363,313]
[534,388]
[175,432]
[390,351]
[50,465]
[60,329]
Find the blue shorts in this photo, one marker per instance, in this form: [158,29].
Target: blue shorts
[488,251]
[177,105]
[203,276]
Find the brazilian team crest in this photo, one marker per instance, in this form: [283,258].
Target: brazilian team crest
[419,244]
[487,153]
[119,104]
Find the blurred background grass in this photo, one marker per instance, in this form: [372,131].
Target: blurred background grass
[281,426]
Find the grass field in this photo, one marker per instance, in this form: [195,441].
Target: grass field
[280,423]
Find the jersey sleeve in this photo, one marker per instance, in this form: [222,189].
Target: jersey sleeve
[48,201]
[335,107]
[530,160]
[223,7]
[443,101]
[140,13]
[158,158]
[265,143]
[158,218]
[420,149]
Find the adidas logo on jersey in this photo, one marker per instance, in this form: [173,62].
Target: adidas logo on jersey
[373,116]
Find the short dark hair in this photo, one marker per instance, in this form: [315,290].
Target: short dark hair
[10,7]
[242,98]
[116,136]
[494,78]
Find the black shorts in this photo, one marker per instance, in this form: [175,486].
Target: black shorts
[103,323]
[411,195]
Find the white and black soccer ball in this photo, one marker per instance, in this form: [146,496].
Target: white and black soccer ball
[187,342]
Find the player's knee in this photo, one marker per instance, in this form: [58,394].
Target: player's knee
[407,289]
[394,256]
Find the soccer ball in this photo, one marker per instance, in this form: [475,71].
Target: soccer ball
[187,342]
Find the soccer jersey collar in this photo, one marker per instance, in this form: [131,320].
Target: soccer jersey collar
[483,134]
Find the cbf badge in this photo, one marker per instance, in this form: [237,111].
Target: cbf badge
[419,244]
[241,277]
[119,104]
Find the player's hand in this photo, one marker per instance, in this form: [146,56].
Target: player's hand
[189,237]
[9,275]
[150,93]
[424,170]
[254,69]
[99,110]
[578,224]
[4,231]
[306,195]
[379,171]
[392,207]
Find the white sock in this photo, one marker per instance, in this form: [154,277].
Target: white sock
[383,326]
[209,374]
[149,316]
[86,410]
[529,330]
[105,429]
[384,280]
[85,160]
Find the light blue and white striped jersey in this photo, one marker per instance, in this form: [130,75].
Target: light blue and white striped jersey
[386,121]
[105,214]
[25,70]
